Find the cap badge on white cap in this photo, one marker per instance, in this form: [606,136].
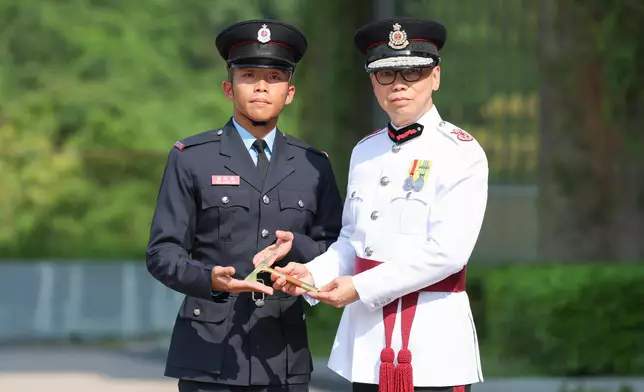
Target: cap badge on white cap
[398,38]
[264,34]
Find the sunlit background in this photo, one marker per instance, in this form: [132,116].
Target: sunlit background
[93,94]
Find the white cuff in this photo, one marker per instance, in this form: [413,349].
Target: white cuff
[368,296]
[311,301]
[321,273]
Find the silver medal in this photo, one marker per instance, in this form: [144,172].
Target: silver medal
[418,184]
[409,183]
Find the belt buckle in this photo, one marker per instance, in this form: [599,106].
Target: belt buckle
[259,302]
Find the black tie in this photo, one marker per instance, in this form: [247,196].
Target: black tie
[262,160]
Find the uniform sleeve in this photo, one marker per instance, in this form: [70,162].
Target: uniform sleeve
[454,224]
[172,231]
[327,222]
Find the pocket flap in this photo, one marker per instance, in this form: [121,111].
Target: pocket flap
[203,310]
[354,192]
[225,197]
[297,200]
[411,196]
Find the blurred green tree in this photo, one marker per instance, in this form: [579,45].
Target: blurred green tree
[337,110]
[489,78]
[94,93]
[592,152]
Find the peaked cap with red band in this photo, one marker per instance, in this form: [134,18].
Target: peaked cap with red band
[262,43]
[401,43]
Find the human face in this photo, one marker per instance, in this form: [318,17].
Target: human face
[259,93]
[405,102]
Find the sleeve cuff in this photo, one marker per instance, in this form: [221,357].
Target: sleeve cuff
[321,274]
[309,300]
[219,296]
[368,296]
[304,248]
[206,280]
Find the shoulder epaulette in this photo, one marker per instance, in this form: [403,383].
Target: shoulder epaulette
[298,143]
[454,133]
[201,138]
[372,134]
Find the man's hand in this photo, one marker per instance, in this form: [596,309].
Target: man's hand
[222,280]
[281,247]
[339,293]
[295,270]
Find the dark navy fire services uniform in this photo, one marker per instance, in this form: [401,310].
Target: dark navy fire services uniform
[215,209]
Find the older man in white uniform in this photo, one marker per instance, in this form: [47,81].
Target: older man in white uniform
[415,203]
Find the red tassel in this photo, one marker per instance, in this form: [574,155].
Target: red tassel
[387,371]
[404,372]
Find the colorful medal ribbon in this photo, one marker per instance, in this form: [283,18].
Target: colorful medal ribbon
[423,171]
[409,181]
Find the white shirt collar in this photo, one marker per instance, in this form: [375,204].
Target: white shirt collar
[248,137]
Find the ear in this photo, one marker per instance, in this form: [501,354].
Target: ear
[228,89]
[436,78]
[290,94]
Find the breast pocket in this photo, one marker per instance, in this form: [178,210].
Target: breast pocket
[297,208]
[409,212]
[228,209]
[355,199]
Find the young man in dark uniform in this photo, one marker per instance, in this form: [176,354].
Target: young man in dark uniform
[223,194]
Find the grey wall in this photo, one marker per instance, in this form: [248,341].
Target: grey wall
[59,300]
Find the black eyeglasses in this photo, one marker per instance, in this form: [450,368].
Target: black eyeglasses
[387,76]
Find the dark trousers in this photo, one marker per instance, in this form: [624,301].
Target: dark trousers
[358,387]
[194,386]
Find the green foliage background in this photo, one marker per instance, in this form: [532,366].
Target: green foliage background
[94,93]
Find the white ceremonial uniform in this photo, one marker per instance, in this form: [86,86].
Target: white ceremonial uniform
[421,237]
